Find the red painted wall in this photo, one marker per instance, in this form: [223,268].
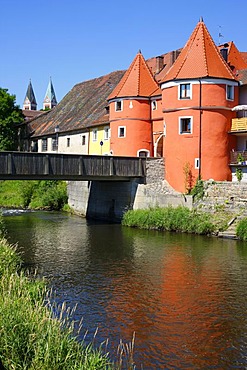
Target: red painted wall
[135,116]
[181,150]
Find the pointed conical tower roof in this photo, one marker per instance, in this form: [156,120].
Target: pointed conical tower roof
[137,81]
[50,100]
[199,58]
[30,101]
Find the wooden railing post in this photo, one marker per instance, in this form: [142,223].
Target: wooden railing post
[9,164]
[111,167]
[140,171]
[46,169]
[80,165]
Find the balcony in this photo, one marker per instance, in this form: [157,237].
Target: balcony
[238,158]
[239,124]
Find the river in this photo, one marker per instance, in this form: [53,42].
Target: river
[184,296]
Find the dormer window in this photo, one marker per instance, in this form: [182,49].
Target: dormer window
[229,92]
[154,105]
[118,105]
[185,91]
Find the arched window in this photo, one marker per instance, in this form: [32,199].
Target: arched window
[143,153]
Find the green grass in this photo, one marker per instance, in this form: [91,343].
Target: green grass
[30,336]
[49,195]
[179,219]
[241,230]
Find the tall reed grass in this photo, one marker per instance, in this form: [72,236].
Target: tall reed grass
[180,219]
[31,337]
[241,229]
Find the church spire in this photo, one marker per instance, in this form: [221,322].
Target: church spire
[30,101]
[50,100]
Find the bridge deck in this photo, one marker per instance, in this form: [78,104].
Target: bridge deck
[55,166]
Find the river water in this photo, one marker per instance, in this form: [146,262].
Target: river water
[184,296]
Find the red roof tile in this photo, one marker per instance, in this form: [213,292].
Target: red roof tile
[199,58]
[137,81]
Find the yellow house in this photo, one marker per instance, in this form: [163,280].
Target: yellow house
[99,140]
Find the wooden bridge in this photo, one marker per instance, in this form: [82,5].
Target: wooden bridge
[55,166]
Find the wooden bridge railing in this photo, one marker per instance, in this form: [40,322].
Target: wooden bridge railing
[25,165]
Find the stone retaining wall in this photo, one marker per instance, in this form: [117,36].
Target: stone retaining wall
[230,196]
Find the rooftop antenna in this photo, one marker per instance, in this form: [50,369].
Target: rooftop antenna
[220,34]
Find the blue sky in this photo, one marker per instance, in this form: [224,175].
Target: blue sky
[73,41]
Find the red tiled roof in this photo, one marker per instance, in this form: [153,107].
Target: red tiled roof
[235,59]
[199,58]
[137,81]
[82,107]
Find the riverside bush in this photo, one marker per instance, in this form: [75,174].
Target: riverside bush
[170,219]
[241,230]
[50,195]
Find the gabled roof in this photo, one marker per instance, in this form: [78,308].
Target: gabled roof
[137,81]
[234,57]
[50,93]
[199,58]
[82,107]
[30,94]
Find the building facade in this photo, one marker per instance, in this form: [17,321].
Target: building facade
[188,106]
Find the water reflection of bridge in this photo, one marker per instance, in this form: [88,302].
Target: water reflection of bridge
[55,166]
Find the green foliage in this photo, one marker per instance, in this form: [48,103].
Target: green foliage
[188,177]
[240,158]
[198,190]
[239,174]
[50,195]
[10,117]
[31,338]
[241,229]
[179,219]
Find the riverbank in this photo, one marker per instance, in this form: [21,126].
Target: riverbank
[31,337]
[179,219]
[45,195]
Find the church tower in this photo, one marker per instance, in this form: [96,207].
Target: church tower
[30,101]
[50,100]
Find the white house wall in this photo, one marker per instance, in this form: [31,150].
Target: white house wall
[75,140]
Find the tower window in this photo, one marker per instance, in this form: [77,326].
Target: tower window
[154,105]
[118,105]
[229,92]
[83,140]
[185,125]
[185,91]
[121,131]
[68,142]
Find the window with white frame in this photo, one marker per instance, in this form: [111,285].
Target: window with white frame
[154,104]
[197,163]
[121,131]
[106,133]
[95,134]
[118,105]
[143,153]
[185,125]
[54,144]
[229,92]
[44,145]
[185,91]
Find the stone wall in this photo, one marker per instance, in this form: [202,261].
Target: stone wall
[230,196]
[155,170]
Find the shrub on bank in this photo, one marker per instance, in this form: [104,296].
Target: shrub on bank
[241,230]
[30,336]
[50,195]
[179,219]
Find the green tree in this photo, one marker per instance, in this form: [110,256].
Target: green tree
[10,117]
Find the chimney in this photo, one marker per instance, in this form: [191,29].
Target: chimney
[224,52]
[159,63]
